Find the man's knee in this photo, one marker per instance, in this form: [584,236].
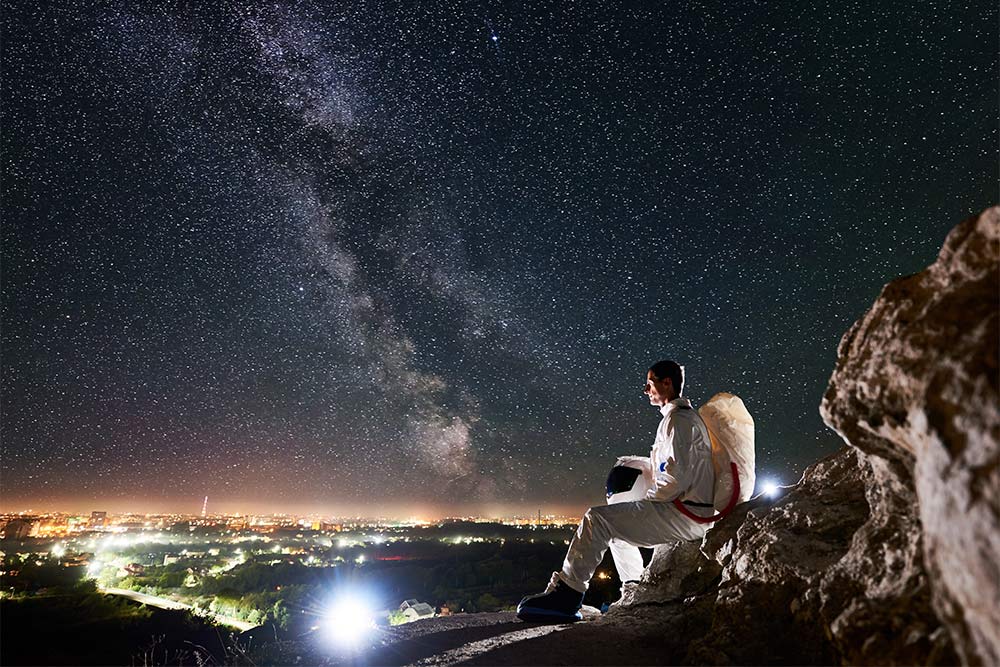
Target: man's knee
[597,515]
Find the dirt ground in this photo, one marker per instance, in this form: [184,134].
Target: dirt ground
[496,639]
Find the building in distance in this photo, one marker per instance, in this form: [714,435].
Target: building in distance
[414,610]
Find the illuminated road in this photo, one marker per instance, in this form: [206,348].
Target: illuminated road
[166,603]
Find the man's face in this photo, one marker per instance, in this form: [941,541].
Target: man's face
[660,392]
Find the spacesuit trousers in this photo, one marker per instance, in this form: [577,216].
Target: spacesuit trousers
[624,527]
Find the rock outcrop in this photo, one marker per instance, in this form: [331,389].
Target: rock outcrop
[916,389]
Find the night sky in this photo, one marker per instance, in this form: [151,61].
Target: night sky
[415,258]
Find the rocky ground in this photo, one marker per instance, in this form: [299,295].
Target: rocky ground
[502,639]
[439,641]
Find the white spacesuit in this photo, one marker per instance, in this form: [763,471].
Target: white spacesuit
[679,466]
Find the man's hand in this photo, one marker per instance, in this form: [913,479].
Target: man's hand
[641,462]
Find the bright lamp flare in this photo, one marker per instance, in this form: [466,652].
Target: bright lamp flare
[770,488]
[348,621]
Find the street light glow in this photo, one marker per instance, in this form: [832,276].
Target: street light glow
[348,620]
[770,488]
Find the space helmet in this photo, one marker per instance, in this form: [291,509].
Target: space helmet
[626,483]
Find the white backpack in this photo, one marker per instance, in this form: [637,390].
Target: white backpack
[730,427]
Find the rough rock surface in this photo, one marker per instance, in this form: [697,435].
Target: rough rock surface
[916,388]
[774,556]
[826,569]
[677,571]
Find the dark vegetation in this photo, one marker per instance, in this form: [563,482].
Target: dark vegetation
[75,625]
[466,577]
[52,615]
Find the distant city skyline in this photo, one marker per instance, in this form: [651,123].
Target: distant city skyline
[233,508]
[56,523]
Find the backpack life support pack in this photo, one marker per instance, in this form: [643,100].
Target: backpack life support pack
[731,430]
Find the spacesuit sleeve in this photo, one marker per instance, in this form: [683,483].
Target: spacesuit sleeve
[673,477]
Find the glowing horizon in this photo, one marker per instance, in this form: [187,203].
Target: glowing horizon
[187,507]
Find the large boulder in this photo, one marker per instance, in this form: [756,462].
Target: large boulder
[833,568]
[916,389]
[775,554]
[677,571]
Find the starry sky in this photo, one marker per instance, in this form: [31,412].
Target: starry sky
[415,258]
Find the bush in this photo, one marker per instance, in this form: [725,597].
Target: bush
[488,602]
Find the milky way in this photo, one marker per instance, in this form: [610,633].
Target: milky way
[380,257]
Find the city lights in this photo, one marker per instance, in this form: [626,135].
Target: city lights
[158,560]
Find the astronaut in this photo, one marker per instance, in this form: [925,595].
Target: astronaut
[679,467]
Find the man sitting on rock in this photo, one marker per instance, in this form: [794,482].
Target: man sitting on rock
[680,466]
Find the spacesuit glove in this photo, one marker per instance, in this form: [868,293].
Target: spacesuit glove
[641,460]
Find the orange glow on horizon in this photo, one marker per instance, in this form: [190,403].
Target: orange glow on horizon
[256,507]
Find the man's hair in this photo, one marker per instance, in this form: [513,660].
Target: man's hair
[669,369]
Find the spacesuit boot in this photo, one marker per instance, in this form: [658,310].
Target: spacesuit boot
[560,603]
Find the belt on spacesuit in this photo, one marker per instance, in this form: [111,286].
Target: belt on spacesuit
[728,508]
